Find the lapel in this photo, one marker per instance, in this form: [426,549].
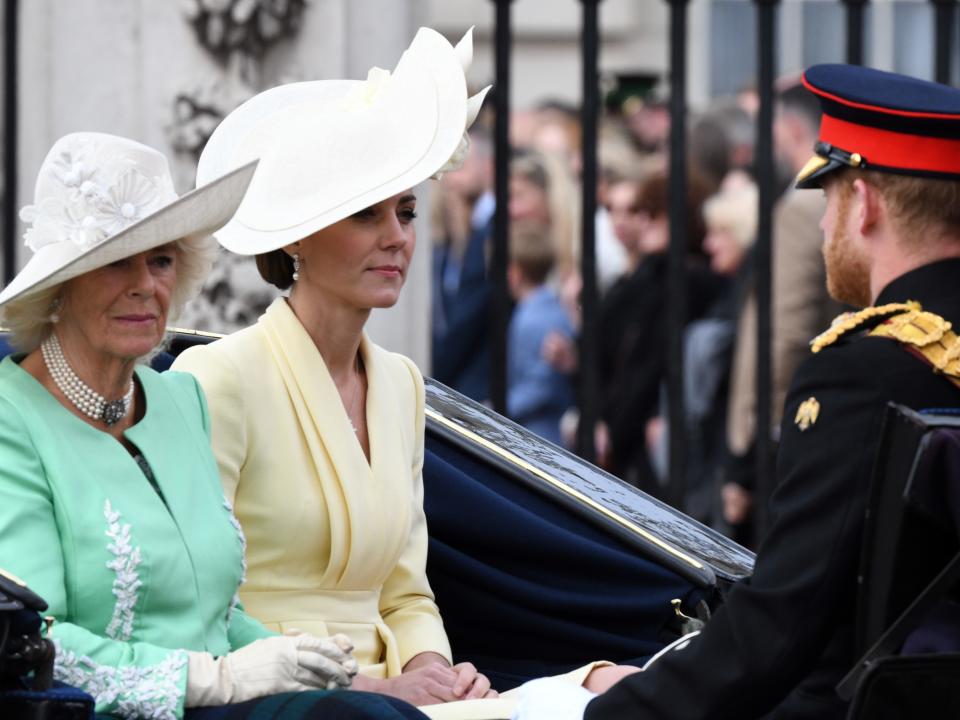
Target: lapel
[176,449]
[369,491]
[312,392]
[387,500]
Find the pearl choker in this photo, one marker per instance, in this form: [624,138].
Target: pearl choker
[84,398]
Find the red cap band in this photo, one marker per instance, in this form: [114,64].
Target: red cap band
[892,149]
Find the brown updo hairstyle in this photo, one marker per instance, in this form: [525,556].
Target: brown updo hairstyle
[276,267]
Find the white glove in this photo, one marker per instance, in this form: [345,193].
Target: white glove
[551,699]
[267,666]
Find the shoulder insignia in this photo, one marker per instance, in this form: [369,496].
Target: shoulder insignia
[928,336]
[845,323]
[807,414]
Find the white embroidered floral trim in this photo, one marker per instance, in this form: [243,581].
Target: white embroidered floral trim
[243,557]
[152,692]
[94,203]
[127,582]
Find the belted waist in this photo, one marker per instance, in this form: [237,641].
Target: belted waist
[279,606]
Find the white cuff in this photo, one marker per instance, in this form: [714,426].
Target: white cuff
[551,699]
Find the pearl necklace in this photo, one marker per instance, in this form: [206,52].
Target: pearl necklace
[84,398]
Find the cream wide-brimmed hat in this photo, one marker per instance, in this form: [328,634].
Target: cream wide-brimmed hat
[100,198]
[330,148]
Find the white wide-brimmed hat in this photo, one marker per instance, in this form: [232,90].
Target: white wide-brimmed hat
[329,148]
[100,198]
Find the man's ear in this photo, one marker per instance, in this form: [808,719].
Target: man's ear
[868,207]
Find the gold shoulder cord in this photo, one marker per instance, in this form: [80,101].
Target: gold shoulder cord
[849,321]
[928,336]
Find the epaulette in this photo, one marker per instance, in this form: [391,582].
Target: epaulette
[849,321]
[929,337]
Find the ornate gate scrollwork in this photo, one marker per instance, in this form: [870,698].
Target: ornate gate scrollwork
[237,34]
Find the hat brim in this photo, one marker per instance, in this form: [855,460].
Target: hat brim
[325,155]
[196,214]
[817,167]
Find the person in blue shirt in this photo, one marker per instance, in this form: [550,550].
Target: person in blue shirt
[537,393]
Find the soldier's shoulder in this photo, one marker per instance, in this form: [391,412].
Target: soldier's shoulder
[850,326]
[892,337]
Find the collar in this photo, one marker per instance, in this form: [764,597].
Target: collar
[928,282]
[483,210]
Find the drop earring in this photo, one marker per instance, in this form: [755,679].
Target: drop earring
[54,316]
[296,266]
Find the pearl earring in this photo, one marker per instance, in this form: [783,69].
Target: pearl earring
[296,266]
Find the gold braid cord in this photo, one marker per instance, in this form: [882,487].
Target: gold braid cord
[928,336]
[850,321]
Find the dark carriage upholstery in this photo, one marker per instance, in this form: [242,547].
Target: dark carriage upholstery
[913,527]
[527,588]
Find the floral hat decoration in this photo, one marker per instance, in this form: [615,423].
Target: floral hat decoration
[100,198]
[329,148]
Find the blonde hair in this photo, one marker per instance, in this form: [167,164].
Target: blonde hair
[532,251]
[550,175]
[735,210]
[29,318]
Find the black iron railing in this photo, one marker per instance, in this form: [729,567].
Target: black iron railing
[677,260]
[855,30]
[944,26]
[763,277]
[500,298]
[10,89]
[589,386]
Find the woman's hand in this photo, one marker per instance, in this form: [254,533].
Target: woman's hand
[267,666]
[429,680]
[470,684]
[428,685]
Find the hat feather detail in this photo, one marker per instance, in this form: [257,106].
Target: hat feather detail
[464,50]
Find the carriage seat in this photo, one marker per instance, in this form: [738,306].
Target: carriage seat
[908,610]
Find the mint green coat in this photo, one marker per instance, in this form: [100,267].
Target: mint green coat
[133,579]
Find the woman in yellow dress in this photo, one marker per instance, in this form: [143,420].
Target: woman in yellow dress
[318,432]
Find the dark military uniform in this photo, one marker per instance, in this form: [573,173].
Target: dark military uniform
[785,638]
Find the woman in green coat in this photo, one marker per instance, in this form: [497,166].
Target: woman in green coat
[110,500]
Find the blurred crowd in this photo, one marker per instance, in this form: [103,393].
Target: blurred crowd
[632,239]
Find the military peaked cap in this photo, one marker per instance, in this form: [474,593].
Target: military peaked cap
[877,120]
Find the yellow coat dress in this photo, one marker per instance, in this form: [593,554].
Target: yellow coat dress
[334,543]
